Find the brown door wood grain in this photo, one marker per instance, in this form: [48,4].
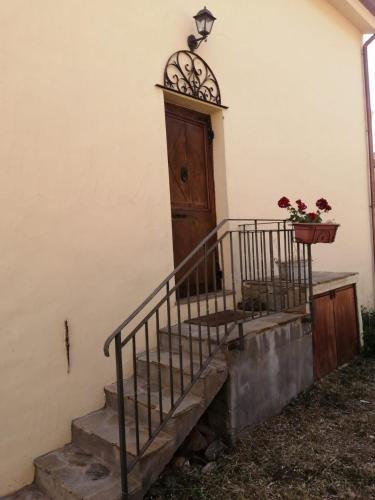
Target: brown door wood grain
[346,325]
[336,332]
[324,339]
[191,187]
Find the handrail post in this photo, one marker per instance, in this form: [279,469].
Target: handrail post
[311,290]
[121,419]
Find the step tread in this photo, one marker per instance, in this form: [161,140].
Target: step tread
[186,328]
[83,474]
[104,424]
[190,400]
[31,492]
[214,363]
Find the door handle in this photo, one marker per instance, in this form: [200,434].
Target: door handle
[184,173]
[179,216]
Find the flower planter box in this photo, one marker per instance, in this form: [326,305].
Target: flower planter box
[315,233]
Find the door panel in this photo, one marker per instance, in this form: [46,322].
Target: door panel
[191,188]
[325,357]
[347,338]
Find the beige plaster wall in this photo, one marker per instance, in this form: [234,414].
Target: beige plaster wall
[84,198]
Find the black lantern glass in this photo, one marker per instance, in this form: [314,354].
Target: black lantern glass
[204,21]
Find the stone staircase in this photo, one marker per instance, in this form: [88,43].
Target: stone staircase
[89,467]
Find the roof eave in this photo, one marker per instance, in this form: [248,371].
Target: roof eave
[359,15]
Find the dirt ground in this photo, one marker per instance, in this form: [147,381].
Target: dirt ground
[321,446]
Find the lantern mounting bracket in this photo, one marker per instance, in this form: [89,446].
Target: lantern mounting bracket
[193,42]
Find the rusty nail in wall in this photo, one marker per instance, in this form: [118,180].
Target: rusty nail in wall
[67,344]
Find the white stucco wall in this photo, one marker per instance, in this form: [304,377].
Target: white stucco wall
[85,225]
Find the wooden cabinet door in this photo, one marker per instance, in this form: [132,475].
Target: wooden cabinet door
[346,325]
[324,338]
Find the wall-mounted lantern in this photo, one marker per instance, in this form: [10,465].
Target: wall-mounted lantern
[204,21]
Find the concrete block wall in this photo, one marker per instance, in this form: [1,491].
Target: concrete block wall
[274,367]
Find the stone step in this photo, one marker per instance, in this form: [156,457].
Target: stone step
[157,412]
[173,367]
[31,492]
[97,433]
[88,468]
[70,473]
[191,339]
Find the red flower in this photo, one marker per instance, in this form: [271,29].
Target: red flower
[322,204]
[312,216]
[301,206]
[284,202]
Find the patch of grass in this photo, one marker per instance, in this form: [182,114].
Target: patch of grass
[368,320]
[321,446]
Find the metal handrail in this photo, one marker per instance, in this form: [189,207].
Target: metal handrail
[175,271]
[254,268]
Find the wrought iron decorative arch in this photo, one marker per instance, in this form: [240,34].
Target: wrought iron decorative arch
[187,73]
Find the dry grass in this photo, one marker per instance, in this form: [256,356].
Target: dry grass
[321,446]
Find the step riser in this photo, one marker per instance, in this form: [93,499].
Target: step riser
[185,344]
[101,448]
[111,400]
[199,388]
[165,377]
[109,452]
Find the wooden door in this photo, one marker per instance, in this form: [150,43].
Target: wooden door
[336,332]
[324,339]
[347,337]
[189,140]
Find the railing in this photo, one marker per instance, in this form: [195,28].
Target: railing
[243,269]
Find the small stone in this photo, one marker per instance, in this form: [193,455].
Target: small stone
[214,450]
[97,471]
[209,467]
[186,465]
[179,462]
